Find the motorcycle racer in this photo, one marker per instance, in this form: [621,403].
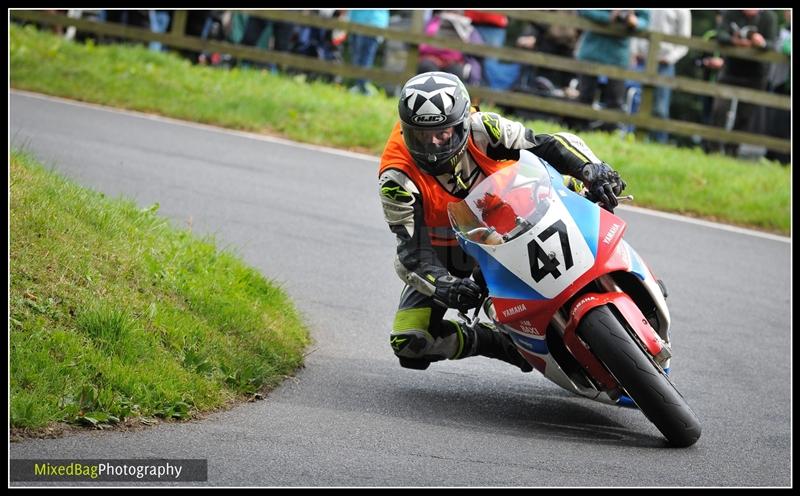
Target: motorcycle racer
[436,154]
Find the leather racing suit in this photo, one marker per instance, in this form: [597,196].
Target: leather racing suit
[415,208]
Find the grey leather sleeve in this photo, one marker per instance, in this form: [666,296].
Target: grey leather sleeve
[416,262]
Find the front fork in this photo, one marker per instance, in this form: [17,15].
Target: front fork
[631,317]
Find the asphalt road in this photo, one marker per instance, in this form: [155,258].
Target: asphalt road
[310,219]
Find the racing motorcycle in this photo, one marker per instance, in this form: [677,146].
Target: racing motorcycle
[579,303]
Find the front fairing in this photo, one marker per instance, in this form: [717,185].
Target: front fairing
[538,245]
[533,238]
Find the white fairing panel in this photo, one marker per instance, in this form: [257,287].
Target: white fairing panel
[653,289]
[552,233]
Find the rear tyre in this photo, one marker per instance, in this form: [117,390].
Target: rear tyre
[642,379]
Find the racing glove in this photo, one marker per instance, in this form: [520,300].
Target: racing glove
[604,184]
[455,292]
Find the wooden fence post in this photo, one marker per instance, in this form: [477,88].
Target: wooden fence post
[178,23]
[650,68]
[412,58]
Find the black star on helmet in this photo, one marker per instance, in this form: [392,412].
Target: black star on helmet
[430,104]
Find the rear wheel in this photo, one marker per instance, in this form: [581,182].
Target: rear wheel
[643,380]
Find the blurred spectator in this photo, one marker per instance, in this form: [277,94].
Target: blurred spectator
[138,18]
[395,52]
[323,44]
[57,28]
[743,28]
[196,26]
[214,25]
[265,33]
[711,63]
[607,49]
[676,22]
[72,30]
[363,48]
[431,58]
[159,23]
[551,39]
[491,27]
[778,81]
[217,25]
[238,21]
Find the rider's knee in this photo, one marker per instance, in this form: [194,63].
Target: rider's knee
[409,344]
[410,348]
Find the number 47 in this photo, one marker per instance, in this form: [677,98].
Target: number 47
[543,263]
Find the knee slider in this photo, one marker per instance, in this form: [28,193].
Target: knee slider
[409,344]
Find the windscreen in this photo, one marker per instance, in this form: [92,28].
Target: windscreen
[504,205]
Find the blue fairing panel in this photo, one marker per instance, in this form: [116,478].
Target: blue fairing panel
[533,345]
[502,283]
[637,267]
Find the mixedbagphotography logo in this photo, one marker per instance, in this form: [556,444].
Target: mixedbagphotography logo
[145,470]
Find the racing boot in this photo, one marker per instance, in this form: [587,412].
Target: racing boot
[486,340]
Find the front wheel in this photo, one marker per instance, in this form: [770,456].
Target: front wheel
[643,381]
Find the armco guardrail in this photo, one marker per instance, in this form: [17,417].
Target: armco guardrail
[414,36]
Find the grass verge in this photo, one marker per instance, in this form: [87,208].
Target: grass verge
[115,315]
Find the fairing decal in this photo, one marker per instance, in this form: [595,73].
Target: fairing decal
[531,344]
[534,313]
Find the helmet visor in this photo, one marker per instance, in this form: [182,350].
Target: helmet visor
[435,142]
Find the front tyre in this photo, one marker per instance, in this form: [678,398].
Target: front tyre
[644,382]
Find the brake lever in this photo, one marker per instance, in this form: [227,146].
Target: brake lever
[471,321]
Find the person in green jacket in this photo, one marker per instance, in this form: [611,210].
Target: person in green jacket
[607,49]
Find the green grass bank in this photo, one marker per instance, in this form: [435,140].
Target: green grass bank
[116,315]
